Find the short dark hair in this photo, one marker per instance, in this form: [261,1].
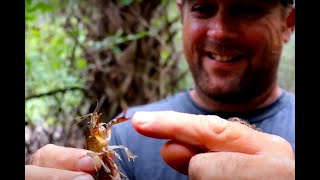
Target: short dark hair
[286,2]
[283,2]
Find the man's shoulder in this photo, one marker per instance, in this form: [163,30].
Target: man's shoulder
[289,94]
[288,98]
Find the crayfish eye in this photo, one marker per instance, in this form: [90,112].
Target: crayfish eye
[104,125]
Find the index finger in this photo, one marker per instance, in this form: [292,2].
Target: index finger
[208,132]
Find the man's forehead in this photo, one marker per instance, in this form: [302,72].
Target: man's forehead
[266,1]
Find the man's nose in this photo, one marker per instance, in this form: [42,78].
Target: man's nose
[222,28]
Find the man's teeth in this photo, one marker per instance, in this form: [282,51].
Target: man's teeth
[220,58]
[223,58]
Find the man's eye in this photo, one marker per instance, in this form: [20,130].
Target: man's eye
[204,10]
[246,11]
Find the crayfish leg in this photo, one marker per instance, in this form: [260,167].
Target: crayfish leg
[106,169]
[115,166]
[94,156]
[129,154]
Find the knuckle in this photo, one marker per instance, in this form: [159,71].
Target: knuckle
[282,144]
[37,156]
[214,129]
[194,167]
[207,165]
[223,129]
[216,124]
[280,141]
[48,147]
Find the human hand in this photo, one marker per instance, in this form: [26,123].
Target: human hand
[209,147]
[56,162]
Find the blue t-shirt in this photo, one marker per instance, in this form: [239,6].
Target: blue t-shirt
[277,118]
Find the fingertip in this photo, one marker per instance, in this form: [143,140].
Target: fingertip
[142,121]
[142,117]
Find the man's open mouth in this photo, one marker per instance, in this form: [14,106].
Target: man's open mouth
[223,58]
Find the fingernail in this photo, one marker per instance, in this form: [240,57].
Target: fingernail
[86,164]
[143,118]
[83,177]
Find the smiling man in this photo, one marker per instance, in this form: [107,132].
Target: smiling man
[233,48]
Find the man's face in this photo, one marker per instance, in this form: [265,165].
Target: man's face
[233,47]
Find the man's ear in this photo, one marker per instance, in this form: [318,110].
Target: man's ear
[179,3]
[291,19]
[290,24]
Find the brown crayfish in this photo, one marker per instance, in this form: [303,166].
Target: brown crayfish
[98,135]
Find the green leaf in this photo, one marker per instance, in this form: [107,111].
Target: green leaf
[28,63]
[55,65]
[164,54]
[81,63]
[43,7]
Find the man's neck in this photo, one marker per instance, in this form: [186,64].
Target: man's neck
[265,99]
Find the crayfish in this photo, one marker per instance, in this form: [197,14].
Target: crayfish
[98,135]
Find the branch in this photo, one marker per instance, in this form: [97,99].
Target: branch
[50,93]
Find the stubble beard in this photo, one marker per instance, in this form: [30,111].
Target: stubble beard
[238,91]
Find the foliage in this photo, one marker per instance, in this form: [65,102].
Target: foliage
[53,84]
[76,54]
[52,61]
[130,52]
